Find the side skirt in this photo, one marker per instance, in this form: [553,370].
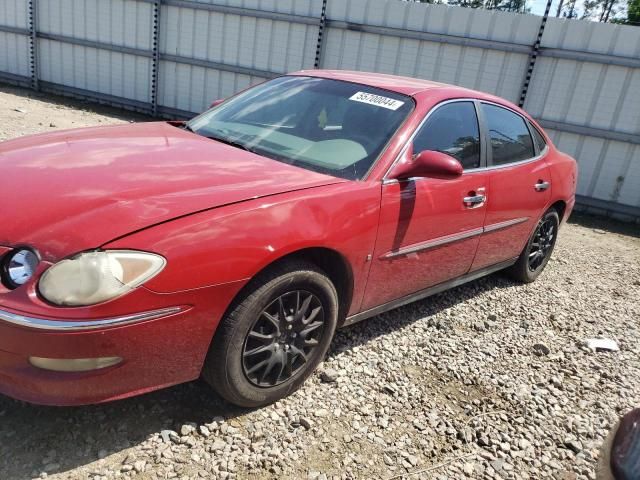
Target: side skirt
[427,292]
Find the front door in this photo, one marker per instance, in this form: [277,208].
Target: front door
[429,228]
[518,186]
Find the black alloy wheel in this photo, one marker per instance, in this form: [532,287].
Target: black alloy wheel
[543,241]
[283,338]
[538,250]
[274,334]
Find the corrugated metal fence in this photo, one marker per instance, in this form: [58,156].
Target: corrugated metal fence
[173,57]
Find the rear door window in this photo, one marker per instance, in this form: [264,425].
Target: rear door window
[509,134]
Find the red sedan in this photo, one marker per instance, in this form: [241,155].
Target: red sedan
[232,246]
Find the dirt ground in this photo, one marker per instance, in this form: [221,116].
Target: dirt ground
[24,113]
[456,386]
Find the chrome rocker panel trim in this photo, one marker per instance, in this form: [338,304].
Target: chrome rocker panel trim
[427,292]
[456,237]
[80,325]
[436,242]
[508,223]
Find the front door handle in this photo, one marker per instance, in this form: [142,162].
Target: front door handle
[473,201]
[541,186]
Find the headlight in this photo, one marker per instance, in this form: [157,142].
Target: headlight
[18,267]
[95,277]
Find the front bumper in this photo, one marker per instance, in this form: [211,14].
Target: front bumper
[159,347]
[37,323]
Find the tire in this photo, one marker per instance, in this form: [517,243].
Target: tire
[535,256]
[256,357]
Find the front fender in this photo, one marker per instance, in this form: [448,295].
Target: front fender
[234,243]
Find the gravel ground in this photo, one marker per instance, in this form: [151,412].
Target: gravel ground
[489,380]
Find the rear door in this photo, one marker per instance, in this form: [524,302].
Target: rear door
[518,185]
[429,228]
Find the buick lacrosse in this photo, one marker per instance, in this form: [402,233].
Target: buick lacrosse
[230,247]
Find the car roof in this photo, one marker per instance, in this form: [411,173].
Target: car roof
[396,83]
[414,87]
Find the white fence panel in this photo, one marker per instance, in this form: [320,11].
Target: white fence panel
[260,47]
[95,70]
[174,57]
[14,47]
[191,88]
[244,41]
[586,93]
[310,8]
[114,22]
[14,13]
[14,54]
[607,170]
[492,70]
[603,38]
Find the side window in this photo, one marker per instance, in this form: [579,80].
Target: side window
[538,138]
[452,129]
[510,138]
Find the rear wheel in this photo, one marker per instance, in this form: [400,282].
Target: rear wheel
[537,252]
[274,336]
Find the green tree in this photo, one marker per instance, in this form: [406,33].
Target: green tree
[601,10]
[567,8]
[504,5]
[606,11]
[633,12]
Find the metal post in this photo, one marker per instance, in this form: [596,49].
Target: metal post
[33,43]
[321,26]
[534,53]
[155,62]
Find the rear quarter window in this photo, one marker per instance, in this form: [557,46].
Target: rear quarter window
[539,139]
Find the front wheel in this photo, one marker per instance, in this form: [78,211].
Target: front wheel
[537,251]
[274,336]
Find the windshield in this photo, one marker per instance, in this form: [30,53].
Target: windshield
[329,126]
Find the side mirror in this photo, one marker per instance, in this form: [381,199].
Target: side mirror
[427,163]
[215,103]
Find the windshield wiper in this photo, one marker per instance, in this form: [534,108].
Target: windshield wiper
[233,143]
[228,141]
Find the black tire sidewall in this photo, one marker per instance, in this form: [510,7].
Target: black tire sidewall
[524,260]
[230,379]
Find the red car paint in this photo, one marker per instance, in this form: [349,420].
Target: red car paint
[220,215]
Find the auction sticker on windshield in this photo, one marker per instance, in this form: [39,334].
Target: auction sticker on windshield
[377,100]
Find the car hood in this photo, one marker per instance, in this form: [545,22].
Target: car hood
[73,190]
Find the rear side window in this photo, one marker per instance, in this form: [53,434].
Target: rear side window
[510,138]
[538,138]
[452,129]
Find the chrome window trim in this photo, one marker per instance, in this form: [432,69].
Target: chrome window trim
[417,129]
[83,325]
[526,122]
[541,154]
[456,237]
[513,164]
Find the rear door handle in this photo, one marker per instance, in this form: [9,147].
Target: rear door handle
[541,186]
